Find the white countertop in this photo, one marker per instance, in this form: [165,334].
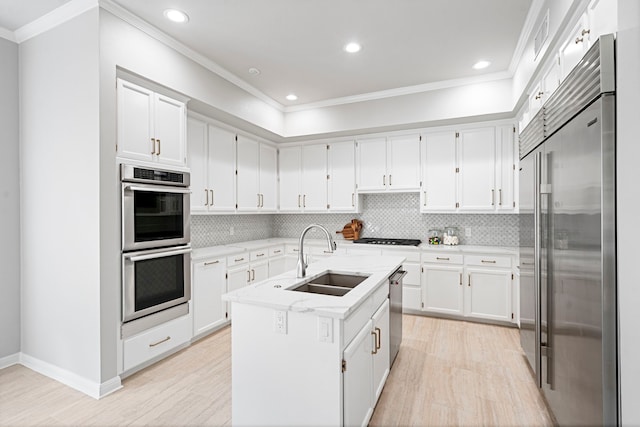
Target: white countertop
[239,247]
[274,292]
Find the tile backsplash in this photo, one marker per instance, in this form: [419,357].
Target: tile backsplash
[384,215]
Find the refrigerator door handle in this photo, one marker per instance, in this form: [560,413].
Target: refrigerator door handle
[537,172]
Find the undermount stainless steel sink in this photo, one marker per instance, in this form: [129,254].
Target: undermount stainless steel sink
[335,284]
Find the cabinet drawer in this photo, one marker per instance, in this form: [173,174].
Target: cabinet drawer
[276,251]
[237,259]
[410,256]
[259,254]
[502,261]
[291,249]
[442,258]
[156,341]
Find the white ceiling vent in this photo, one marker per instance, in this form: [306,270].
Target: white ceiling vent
[541,35]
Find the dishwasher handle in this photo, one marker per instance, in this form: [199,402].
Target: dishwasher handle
[397,276]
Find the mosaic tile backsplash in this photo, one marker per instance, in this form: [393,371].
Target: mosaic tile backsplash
[384,215]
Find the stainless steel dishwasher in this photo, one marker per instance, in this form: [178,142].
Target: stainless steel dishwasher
[395,312]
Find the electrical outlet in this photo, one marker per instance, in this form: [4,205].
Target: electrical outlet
[325,329]
[280,322]
[232,231]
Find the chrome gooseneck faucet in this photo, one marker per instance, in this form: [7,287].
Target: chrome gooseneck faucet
[302,265]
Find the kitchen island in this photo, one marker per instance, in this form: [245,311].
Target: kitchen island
[302,358]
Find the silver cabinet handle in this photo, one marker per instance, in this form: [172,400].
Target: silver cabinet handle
[493,197]
[389,180]
[206,195]
[304,201]
[211,197]
[160,342]
[384,179]
[259,255]
[212,262]
[353,199]
[261,200]
[379,340]
[153,141]
[500,197]
[253,274]
[157,253]
[158,153]
[248,276]
[277,251]
[469,280]
[442,259]
[425,198]
[298,200]
[258,201]
[238,259]
[460,279]
[486,261]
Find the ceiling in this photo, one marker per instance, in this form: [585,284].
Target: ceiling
[298,44]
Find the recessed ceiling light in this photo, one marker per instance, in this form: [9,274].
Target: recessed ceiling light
[292,97]
[176,15]
[481,64]
[352,47]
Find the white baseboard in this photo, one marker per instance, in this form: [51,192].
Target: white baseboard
[75,381]
[10,360]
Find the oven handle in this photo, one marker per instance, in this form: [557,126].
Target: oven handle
[157,189]
[160,254]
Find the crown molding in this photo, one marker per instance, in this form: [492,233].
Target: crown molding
[7,34]
[169,41]
[54,18]
[408,90]
[525,34]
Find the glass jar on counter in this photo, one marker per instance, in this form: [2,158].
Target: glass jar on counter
[450,236]
[434,236]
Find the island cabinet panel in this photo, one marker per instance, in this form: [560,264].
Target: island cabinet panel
[380,349]
[290,378]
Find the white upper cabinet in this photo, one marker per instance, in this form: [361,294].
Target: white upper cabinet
[372,164]
[389,164]
[477,164]
[212,162]
[256,176]
[575,46]
[303,178]
[471,170]
[342,195]
[151,126]
[439,172]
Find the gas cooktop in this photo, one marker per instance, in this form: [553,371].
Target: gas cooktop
[394,242]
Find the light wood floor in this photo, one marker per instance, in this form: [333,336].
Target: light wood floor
[447,373]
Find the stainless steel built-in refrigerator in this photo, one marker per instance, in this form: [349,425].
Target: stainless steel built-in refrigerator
[568,314]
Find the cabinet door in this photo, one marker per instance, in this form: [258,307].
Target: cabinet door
[259,271]
[536,99]
[135,121]
[403,162]
[277,266]
[290,192]
[170,116]
[574,48]
[381,350]
[372,166]
[222,169]
[477,159]
[551,79]
[209,284]
[198,163]
[443,289]
[248,155]
[342,177]
[268,178]
[357,379]
[603,17]
[314,178]
[488,294]
[506,169]
[237,277]
[439,172]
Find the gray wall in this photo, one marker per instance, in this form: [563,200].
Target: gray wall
[9,202]
[383,215]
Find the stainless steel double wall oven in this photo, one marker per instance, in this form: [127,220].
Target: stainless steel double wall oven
[156,240]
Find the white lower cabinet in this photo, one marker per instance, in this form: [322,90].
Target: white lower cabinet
[208,285]
[244,273]
[474,286]
[366,368]
[154,342]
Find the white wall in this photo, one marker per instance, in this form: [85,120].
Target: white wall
[60,200]
[628,205]
[9,202]
[462,104]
